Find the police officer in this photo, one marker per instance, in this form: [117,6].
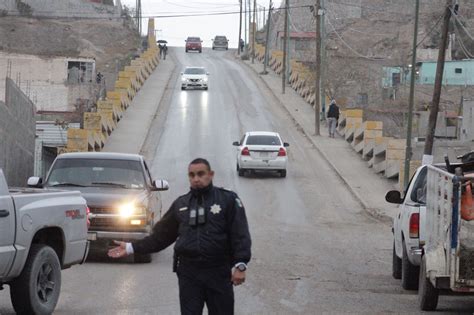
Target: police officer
[212,247]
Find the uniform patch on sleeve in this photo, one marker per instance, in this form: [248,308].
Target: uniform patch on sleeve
[239,203]
[183,209]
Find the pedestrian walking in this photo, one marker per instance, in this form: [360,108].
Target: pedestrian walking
[241,44]
[212,246]
[165,51]
[160,47]
[332,118]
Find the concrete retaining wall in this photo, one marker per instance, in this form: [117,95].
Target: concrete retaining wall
[17,135]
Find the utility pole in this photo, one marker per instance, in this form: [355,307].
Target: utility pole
[267,40]
[245,24]
[408,150]
[317,86]
[240,29]
[428,152]
[250,21]
[254,29]
[283,73]
[287,74]
[323,61]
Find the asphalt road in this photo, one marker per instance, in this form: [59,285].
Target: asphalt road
[314,249]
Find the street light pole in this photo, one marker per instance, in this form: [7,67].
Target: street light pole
[267,40]
[317,85]
[408,149]
[254,26]
[283,74]
[240,29]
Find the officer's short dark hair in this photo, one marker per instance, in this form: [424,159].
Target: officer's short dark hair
[201,161]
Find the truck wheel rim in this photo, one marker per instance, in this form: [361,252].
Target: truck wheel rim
[45,283]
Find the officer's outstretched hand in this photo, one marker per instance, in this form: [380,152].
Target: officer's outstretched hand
[119,251]
[238,277]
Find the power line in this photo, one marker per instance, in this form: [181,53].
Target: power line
[431,30]
[468,54]
[350,48]
[365,7]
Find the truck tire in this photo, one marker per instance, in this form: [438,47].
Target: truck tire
[427,293]
[36,290]
[142,258]
[410,272]
[396,264]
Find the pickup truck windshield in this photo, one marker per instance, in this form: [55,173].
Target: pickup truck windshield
[96,172]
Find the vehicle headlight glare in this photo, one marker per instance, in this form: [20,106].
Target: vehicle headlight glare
[127,210]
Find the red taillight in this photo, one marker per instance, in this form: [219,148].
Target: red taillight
[245,151]
[282,152]
[415,225]
[88,212]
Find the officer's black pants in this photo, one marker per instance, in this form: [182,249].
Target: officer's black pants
[205,285]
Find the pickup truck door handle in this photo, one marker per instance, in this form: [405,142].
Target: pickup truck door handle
[4,213]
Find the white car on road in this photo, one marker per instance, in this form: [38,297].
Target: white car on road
[261,151]
[194,77]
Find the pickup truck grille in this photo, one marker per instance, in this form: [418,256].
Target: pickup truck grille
[113,225]
[98,210]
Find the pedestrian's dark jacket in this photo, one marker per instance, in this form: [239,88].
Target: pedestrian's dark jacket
[223,239]
[333,111]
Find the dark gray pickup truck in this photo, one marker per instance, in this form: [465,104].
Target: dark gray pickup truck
[123,198]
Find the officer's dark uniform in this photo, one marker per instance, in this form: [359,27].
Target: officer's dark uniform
[207,246]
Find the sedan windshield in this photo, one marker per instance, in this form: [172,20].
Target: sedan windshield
[194,71]
[263,140]
[96,172]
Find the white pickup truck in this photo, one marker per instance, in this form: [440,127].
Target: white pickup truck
[41,232]
[409,229]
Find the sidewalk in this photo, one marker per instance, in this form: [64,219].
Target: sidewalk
[367,187]
[132,130]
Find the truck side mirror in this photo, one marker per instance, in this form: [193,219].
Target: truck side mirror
[236,143]
[394,196]
[160,185]
[35,182]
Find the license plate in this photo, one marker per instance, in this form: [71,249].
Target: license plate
[91,236]
[264,154]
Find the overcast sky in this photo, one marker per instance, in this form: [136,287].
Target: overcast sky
[176,29]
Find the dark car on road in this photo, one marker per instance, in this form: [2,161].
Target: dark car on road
[220,42]
[193,43]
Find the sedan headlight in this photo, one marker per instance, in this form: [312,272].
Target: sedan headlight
[183,79]
[129,209]
[205,79]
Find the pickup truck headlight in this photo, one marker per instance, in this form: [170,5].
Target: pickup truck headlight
[129,209]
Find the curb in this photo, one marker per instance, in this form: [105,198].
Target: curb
[146,142]
[371,211]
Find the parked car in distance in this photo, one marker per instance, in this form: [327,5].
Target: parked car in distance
[261,151]
[220,42]
[194,77]
[41,232]
[122,196]
[193,43]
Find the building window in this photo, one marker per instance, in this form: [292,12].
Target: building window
[79,72]
[362,99]
[458,70]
